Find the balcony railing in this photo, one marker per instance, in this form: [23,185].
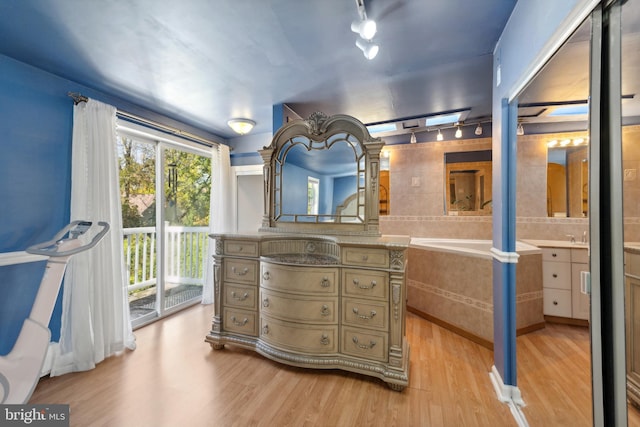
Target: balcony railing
[184,260]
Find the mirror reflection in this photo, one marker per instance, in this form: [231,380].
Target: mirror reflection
[468,182]
[568,181]
[320,181]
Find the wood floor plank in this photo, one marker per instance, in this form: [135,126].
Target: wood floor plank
[174,378]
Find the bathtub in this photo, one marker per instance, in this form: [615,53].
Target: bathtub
[450,282]
[472,248]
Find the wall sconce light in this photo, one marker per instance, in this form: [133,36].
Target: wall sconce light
[478,130]
[520,130]
[413,138]
[370,50]
[439,137]
[241,126]
[458,133]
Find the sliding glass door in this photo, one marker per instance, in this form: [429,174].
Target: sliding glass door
[165,249]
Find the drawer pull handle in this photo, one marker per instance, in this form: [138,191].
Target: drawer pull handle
[235,322]
[265,330]
[555,303]
[364,316]
[265,302]
[325,310]
[356,282]
[240,273]
[241,298]
[266,275]
[555,276]
[239,248]
[325,283]
[324,340]
[554,255]
[364,346]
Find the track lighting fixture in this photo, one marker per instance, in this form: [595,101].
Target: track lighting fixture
[478,130]
[458,133]
[439,137]
[413,138]
[370,50]
[366,28]
[520,130]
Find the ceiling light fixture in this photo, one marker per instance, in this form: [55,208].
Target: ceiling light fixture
[413,138]
[370,50]
[520,130]
[439,137]
[241,126]
[458,133]
[478,130]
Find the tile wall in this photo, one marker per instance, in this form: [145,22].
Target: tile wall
[417,191]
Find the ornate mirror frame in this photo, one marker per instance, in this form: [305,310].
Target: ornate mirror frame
[318,130]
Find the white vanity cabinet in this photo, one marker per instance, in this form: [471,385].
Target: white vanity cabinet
[561,278]
[315,301]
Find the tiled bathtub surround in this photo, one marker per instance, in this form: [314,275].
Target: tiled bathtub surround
[417,174]
[456,291]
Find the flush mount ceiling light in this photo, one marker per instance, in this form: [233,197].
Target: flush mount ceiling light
[241,126]
[478,130]
[439,137]
[370,50]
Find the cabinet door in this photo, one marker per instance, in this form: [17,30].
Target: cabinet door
[580,303]
[633,328]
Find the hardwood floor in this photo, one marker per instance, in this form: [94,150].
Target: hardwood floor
[174,378]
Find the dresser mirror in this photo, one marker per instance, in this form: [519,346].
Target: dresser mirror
[322,173]
[468,181]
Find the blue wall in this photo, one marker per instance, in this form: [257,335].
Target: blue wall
[35,169]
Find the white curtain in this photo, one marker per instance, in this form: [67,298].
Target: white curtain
[219,210]
[95,313]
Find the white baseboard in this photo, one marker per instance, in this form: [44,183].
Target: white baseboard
[510,395]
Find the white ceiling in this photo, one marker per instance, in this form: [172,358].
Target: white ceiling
[203,62]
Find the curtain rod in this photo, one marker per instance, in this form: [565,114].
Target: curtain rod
[78,98]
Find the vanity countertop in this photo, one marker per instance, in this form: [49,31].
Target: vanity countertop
[556,244]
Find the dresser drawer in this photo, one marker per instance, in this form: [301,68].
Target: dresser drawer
[300,337]
[240,321]
[557,302]
[241,296]
[299,309]
[366,257]
[301,280]
[365,313]
[241,271]
[241,248]
[368,345]
[365,283]
[556,254]
[556,275]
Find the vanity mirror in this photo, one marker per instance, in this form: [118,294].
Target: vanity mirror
[568,181]
[468,181]
[323,171]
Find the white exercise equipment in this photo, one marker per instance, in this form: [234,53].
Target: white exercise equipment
[20,369]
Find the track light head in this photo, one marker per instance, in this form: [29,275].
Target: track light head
[478,130]
[366,28]
[439,137]
[413,139]
[520,130]
[370,50]
[458,133]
